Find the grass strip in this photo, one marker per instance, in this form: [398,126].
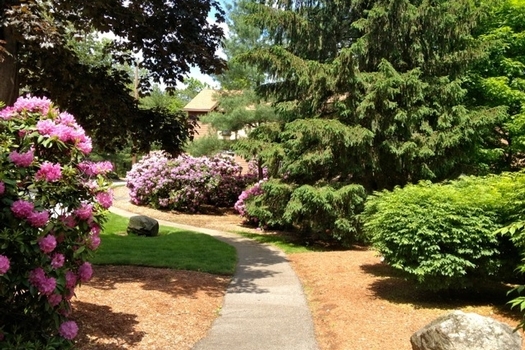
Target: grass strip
[172,248]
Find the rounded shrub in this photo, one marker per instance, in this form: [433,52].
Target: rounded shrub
[443,235]
[52,209]
[186,183]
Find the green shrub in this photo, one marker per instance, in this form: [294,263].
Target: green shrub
[442,235]
[267,208]
[327,213]
[207,146]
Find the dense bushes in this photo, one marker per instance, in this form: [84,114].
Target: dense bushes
[52,207]
[186,183]
[443,235]
[324,213]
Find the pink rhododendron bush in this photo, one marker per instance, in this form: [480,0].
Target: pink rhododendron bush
[52,206]
[186,183]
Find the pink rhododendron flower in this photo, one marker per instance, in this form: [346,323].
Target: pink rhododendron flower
[45,285]
[57,261]
[105,199]
[85,211]
[94,242]
[28,103]
[45,127]
[22,160]
[22,209]
[85,146]
[47,244]
[95,229]
[95,168]
[4,264]
[54,299]
[71,279]
[38,218]
[33,104]
[85,271]
[49,172]
[67,119]
[68,220]
[2,187]
[68,330]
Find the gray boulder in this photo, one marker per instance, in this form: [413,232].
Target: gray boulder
[465,331]
[143,226]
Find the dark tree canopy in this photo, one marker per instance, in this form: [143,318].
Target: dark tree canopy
[170,36]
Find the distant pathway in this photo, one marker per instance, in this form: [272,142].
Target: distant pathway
[264,307]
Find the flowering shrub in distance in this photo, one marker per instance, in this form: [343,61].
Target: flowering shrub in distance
[186,183]
[52,206]
[244,197]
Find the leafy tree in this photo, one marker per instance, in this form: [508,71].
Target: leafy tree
[243,36]
[499,79]
[171,37]
[368,93]
[371,93]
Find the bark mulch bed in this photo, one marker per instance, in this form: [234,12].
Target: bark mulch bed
[357,302]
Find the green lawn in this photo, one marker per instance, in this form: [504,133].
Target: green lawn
[172,248]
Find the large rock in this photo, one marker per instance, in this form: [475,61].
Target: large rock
[466,331]
[143,225]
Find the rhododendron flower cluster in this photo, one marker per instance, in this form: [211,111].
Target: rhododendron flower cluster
[4,264]
[186,183]
[240,205]
[55,202]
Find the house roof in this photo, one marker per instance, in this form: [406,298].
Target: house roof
[205,101]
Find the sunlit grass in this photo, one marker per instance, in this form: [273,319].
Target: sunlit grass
[172,248]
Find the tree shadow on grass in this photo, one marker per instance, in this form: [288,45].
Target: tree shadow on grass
[102,329]
[175,283]
[392,285]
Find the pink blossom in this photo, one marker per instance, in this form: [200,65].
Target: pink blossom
[22,160]
[95,229]
[32,104]
[94,242]
[54,299]
[68,330]
[22,209]
[45,285]
[62,132]
[47,244]
[85,146]
[49,172]
[57,261]
[85,211]
[2,187]
[45,127]
[105,199]
[85,271]
[95,168]
[38,218]
[67,119]
[68,220]
[71,279]
[7,113]
[4,264]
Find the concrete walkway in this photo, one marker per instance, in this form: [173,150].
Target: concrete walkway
[264,307]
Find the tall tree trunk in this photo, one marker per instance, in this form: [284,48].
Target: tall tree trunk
[8,66]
